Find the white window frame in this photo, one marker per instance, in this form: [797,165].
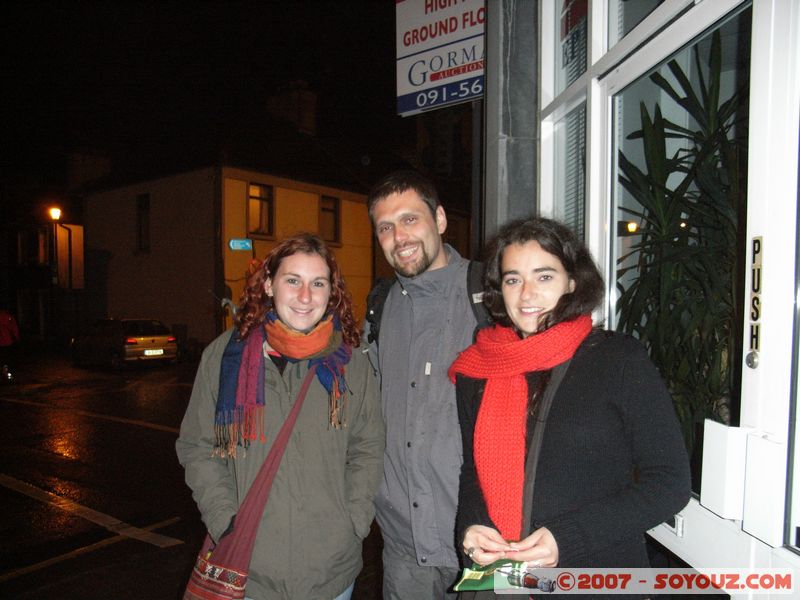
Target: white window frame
[707,539]
[586,88]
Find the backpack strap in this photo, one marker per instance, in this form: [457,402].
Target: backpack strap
[377,299]
[375,302]
[475,290]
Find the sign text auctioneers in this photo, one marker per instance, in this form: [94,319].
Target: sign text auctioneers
[440,53]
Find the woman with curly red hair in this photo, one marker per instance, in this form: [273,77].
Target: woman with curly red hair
[295,314]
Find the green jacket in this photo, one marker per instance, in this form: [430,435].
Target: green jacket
[320,507]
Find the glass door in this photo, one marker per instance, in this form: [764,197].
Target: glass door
[692,211]
[680,191]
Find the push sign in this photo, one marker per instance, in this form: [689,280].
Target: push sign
[755,303]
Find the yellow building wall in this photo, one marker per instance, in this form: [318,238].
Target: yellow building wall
[296,210]
[355,254]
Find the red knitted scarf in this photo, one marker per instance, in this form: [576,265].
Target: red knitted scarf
[501,358]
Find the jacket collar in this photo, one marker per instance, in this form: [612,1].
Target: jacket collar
[435,281]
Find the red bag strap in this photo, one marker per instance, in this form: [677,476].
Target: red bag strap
[235,549]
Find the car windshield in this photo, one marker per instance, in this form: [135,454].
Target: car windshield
[144,328]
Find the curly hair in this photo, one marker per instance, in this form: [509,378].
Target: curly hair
[561,242]
[254,303]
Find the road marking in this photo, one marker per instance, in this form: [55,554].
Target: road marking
[86,413]
[102,519]
[78,552]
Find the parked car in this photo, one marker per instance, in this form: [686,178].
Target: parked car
[116,342]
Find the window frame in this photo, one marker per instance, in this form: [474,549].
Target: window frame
[337,218]
[270,202]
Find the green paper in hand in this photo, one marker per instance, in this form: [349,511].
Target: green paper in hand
[478,578]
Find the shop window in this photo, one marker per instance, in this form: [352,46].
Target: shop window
[680,193]
[570,174]
[260,211]
[571,43]
[624,15]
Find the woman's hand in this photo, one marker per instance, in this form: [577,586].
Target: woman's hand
[539,549]
[484,545]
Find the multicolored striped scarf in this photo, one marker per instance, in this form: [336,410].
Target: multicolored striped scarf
[239,415]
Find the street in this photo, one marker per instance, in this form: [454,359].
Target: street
[94,502]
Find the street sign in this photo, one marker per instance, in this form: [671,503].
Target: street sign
[241,244]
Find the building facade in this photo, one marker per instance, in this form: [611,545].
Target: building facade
[169,248]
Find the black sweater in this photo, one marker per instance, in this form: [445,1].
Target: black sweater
[612,463]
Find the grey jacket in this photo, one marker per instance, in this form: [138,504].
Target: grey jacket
[427,320]
[321,503]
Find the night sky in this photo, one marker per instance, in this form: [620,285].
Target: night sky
[132,77]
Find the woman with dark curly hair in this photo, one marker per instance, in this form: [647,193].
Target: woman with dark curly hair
[295,314]
[572,450]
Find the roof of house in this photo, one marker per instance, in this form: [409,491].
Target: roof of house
[274,146]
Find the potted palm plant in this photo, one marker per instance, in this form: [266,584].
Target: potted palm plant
[680,285]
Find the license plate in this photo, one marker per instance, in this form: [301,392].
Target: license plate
[154,352]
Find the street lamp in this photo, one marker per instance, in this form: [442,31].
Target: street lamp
[66,270]
[55,215]
[62,255]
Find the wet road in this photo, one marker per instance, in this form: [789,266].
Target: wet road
[93,500]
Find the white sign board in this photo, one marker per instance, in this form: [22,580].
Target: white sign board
[439,53]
